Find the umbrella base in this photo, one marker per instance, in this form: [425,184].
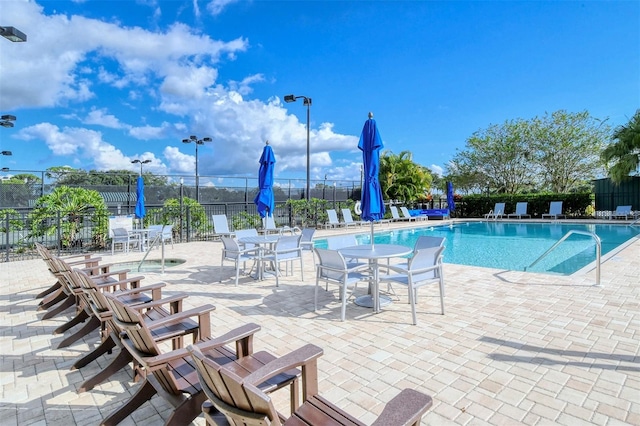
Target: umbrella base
[366,301]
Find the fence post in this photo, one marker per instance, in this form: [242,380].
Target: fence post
[6,229]
[188,224]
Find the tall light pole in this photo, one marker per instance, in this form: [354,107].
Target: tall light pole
[141,163]
[307,103]
[197,141]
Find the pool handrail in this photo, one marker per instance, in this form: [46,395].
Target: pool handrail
[156,239]
[576,231]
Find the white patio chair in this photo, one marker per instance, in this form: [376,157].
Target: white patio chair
[221,226]
[333,268]
[406,215]
[521,211]
[332,217]
[269,227]
[348,218]
[621,211]
[122,237]
[424,268]
[306,242]
[555,210]
[286,249]
[498,211]
[165,230]
[232,251]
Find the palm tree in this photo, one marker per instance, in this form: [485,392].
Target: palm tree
[401,178]
[625,153]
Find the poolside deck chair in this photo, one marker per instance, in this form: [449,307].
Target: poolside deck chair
[172,374]
[498,211]
[125,239]
[621,211]
[232,251]
[406,215]
[221,226]
[348,218]
[396,215]
[333,268]
[165,230]
[521,211]
[425,267]
[149,301]
[243,402]
[269,227]
[555,210]
[286,249]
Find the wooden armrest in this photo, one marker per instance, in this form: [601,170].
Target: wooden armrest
[305,357]
[85,261]
[108,273]
[243,336]
[407,408]
[122,283]
[175,301]
[154,288]
[201,312]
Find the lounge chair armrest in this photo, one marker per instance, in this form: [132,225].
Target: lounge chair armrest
[92,261]
[154,288]
[305,357]
[202,312]
[124,283]
[242,336]
[407,408]
[397,269]
[100,271]
[175,302]
[161,359]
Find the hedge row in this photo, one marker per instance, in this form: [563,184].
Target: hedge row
[573,205]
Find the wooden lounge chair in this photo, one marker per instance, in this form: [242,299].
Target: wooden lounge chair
[172,374]
[243,402]
[148,301]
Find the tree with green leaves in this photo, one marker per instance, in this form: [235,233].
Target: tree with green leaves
[76,208]
[622,157]
[401,178]
[66,175]
[557,152]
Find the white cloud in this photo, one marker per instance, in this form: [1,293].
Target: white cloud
[437,169]
[102,118]
[215,7]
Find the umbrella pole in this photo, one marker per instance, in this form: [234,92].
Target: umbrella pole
[372,243]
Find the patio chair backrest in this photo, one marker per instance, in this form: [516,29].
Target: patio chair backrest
[499,209]
[334,267]
[394,212]
[120,234]
[405,211]
[333,217]
[521,208]
[307,238]
[422,259]
[426,241]
[621,210]
[269,223]
[346,215]
[231,248]
[555,208]
[220,224]
[340,241]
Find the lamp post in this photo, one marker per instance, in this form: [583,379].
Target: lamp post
[307,103]
[12,34]
[141,163]
[197,141]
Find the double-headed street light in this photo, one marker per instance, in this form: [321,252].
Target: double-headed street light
[307,103]
[7,120]
[141,163]
[197,141]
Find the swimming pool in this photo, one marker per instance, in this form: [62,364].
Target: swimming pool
[513,246]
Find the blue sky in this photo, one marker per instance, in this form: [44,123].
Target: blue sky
[99,83]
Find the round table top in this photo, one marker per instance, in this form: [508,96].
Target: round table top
[260,239]
[377,251]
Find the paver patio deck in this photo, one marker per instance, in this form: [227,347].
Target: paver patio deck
[513,347]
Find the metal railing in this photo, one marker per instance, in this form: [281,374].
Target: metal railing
[567,235]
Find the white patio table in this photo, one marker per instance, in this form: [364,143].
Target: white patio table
[374,253]
[261,241]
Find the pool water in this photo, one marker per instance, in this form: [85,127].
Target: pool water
[149,265]
[513,246]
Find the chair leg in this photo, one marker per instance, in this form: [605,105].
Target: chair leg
[106,346]
[142,395]
[88,328]
[69,302]
[412,300]
[118,363]
[52,299]
[79,318]
[188,410]
[48,291]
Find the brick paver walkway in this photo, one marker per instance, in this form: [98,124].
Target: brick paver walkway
[513,347]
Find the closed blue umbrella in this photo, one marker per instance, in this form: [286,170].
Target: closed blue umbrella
[141,212]
[371,202]
[451,204]
[264,200]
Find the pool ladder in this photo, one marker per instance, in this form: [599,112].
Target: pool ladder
[157,238]
[575,231]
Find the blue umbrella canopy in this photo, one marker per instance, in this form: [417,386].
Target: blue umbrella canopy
[370,144]
[450,200]
[141,212]
[264,200]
